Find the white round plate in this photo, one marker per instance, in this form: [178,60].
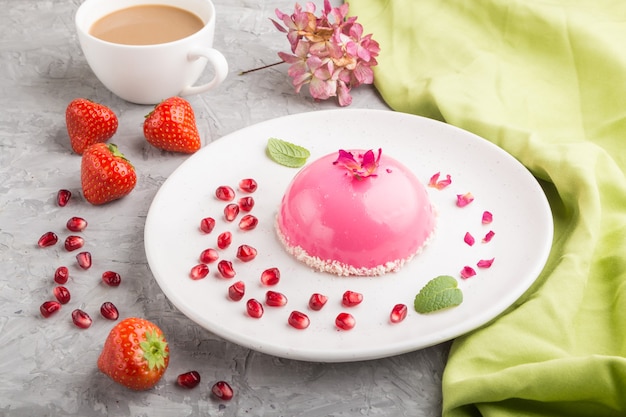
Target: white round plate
[522,224]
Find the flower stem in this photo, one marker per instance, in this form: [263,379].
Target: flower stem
[260,68]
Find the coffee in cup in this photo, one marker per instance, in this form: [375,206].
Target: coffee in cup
[147,50]
[147,24]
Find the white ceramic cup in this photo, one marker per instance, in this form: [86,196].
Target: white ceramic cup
[148,74]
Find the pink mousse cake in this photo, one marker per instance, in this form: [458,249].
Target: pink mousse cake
[355,213]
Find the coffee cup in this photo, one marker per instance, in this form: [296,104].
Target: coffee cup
[150,72]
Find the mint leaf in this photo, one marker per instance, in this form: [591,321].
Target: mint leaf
[286,153]
[439,293]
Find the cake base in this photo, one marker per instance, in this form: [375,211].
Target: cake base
[341,269]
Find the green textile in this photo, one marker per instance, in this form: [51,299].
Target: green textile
[546,81]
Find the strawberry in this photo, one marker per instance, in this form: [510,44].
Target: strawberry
[135,354]
[88,123]
[171,126]
[106,174]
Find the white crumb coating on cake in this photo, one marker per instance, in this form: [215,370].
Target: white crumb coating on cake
[341,269]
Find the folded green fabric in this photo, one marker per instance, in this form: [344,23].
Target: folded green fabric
[546,81]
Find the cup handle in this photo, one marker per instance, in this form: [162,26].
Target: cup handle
[220,66]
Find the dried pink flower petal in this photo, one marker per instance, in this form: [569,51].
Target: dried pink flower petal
[487,217]
[463,200]
[485,263]
[370,162]
[467,272]
[444,183]
[362,166]
[433,180]
[489,236]
[346,159]
[469,239]
[439,184]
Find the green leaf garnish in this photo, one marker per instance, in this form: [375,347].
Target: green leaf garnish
[286,153]
[437,294]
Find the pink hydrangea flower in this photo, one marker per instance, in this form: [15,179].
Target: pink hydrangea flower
[329,52]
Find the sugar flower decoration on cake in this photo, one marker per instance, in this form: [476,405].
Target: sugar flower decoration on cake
[329,53]
[363,166]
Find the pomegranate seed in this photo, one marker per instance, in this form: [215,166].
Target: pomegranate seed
[61,275]
[246,203]
[74,242]
[248,185]
[47,239]
[248,222]
[222,390]
[48,308]
[81,319]
[398,313]
[224,240]
[109,311]
[189,379]
[270,276]
[231,211]
[63,197]
[199,271]
[207,224]
[209,255]
[275,299]
[237,291]
[225,193]
[62,294]
[298,320]
[317,301]
[76,224]
[351,298]
[84,260]
[345,321]
[254,308]
[112,279]
[225,268]
[246,253]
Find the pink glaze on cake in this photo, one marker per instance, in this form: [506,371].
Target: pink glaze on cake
[340,223]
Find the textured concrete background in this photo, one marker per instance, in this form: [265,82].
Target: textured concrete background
[48,366]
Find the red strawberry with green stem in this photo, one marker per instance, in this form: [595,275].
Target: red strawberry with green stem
[88,123]
[171,126]
[105,174]
[135,354]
